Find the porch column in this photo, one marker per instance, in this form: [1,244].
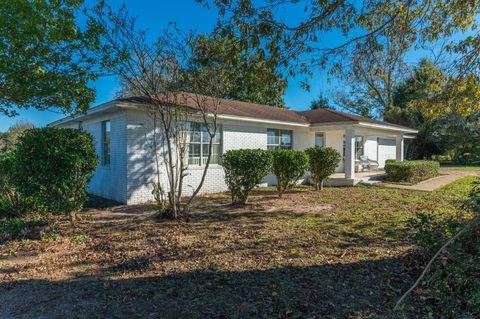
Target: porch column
[349,153]
[400,148]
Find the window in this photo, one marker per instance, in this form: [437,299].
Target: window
[279,139]
[198,141]
[319,139]
[358,146]
[106,143]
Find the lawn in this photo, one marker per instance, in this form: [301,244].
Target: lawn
[339,253]
[462,167]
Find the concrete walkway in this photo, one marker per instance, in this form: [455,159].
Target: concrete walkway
[446,176]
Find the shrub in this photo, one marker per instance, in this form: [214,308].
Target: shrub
[11,228]
[322,162]
[411,171]
[54,165]
[245,169]
[390,161]
[288,166]
[451,287]
[12,204]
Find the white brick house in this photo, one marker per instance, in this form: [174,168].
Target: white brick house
[126,170]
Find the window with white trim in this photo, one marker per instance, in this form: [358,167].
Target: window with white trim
[106,129]
[319,139]
[198,140]
[279,139]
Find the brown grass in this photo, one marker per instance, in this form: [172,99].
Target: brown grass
[339,253]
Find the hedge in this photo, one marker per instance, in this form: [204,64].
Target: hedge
[244,170]
[322,163]
[55,165]
[288,166]
[411,171]
[12,204]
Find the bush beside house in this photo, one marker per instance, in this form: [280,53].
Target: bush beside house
[410,171]
[54,166]
[12,204]
[322,163]
[244,170]
[288,166]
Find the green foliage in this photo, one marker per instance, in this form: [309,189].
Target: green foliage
[411,171]
[451,288]
[321,102]
[47,60]
[15,227]
[322,163]
[288,166]
[12,204]
[255,75]
[9,139]
[445,111]
[244,170]
[54,166]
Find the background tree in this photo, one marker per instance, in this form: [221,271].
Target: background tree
[425,78]
[321,102]
[9,139]
[414,21]
[443,107]
[254,73]
[46,59]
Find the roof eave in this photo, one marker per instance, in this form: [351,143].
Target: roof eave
[388,127]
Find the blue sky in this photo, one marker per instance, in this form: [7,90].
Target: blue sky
[188,14]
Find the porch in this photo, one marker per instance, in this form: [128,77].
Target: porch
[368,177]
[360,143]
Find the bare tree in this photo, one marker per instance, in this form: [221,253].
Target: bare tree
[373,71]
[165,77]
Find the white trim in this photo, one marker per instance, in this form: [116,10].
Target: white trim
[387,127]
[113,105]
[257,120]
[349,124]
[90,112]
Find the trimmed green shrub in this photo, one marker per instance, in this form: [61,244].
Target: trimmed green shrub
[55,165]
[288,166]
[390,161]
[12,204]
[245,169]
[322,162]
[411,171]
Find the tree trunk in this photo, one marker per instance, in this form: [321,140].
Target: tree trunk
[321,185]
[73,217]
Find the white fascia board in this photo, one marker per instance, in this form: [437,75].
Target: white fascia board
[91,112]
[332,126]
[387,127]
[257,120]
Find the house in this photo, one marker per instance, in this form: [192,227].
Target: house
[127,167]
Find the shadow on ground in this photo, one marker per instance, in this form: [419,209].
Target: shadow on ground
[359,290]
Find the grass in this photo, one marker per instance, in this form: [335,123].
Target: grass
[339,253]
[462,167]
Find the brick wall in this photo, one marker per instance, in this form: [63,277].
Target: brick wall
[141,166]
[109,181]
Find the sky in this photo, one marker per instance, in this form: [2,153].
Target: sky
[187,14]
